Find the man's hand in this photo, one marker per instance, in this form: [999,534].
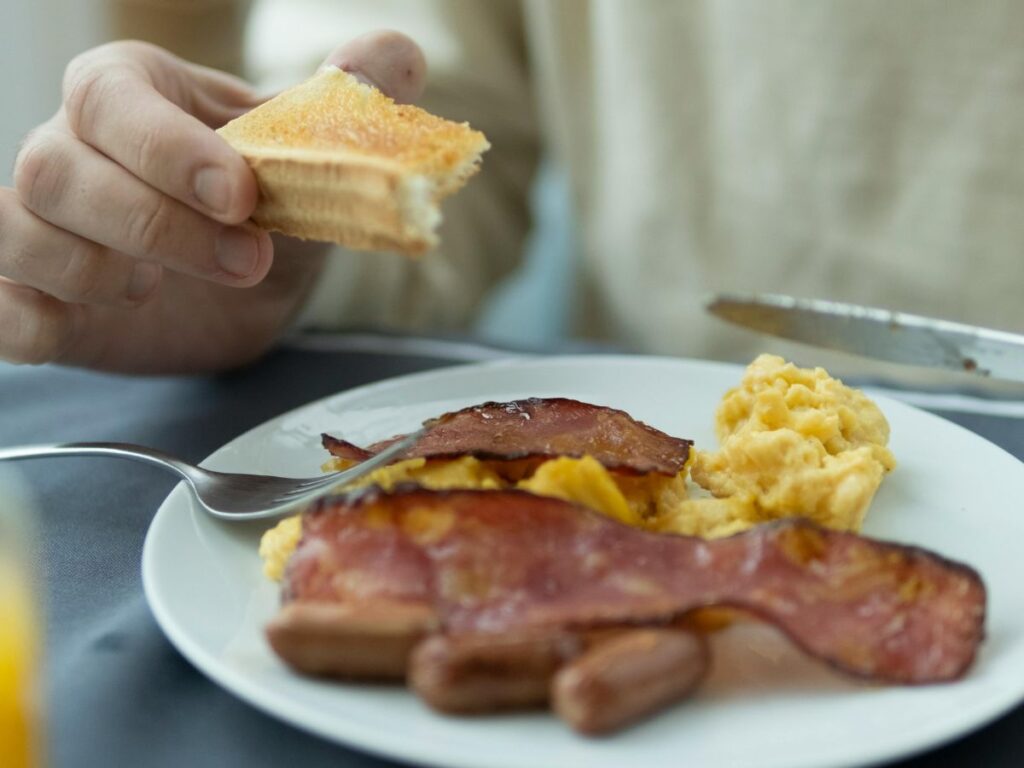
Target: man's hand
[125,245]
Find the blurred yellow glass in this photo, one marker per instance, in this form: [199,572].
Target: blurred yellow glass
[20,636]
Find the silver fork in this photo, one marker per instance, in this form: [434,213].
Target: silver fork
[226,495]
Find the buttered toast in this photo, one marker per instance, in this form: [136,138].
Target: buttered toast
[337,160]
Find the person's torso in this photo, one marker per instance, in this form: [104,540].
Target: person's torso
[863,151]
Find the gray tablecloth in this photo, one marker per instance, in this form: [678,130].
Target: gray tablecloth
[118,692]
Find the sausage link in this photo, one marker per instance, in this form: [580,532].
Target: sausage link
[358,642]
[628,676]
[474,674]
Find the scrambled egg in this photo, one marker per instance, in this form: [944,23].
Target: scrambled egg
[793,442]
[277,545]
[631,499]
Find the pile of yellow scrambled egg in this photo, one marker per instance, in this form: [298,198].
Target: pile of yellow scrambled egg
[793,443]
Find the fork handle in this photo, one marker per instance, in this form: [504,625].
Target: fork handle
[115,450]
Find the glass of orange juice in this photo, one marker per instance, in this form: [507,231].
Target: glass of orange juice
[20,637]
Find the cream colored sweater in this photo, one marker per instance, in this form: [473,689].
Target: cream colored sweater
[861,150]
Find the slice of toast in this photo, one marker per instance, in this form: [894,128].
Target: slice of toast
[338,160]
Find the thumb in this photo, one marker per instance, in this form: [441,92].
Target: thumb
[387,60]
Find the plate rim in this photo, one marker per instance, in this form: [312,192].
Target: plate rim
[352,735]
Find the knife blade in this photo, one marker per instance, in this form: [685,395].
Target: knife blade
[879,333]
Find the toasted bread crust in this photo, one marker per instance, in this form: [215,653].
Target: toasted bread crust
[337,160]
[356,204]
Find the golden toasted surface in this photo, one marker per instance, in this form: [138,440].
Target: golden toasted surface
[333,112]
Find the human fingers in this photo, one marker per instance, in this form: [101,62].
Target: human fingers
[75,188]
[129,101]
[389,60]
[217,97]
[35,328]
[68,267]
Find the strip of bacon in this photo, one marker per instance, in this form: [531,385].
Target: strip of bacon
[540,428]
[501,561]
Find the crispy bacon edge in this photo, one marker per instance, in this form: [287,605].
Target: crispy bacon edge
[344,449]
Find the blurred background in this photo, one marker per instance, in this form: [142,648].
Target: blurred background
[39,37]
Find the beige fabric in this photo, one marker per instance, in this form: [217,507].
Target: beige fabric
[860,150]
[208,32]
[867,151]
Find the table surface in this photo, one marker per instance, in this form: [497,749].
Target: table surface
[118,693]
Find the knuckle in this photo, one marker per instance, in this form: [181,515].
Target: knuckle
[75,67]
[86,276]
[15,253]
[146,148]
[90,70]
[133,50]
[39,332]
[149,224]
[40,174]
[18,260]
[116,52]
[85,84]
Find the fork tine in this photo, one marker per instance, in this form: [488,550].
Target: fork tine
[298,493]
[309,488]
[380,459]
[313,484]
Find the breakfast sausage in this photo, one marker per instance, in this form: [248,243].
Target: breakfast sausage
[360,642]
[507,561]
[628,676]
[474,674]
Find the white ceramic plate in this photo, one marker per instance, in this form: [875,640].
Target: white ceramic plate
[764,704]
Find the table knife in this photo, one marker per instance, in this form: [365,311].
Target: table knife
[879,333]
